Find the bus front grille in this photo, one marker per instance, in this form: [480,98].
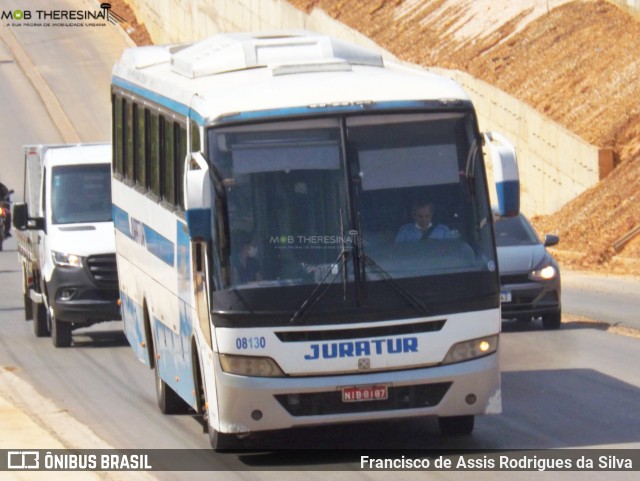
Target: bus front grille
[330,402]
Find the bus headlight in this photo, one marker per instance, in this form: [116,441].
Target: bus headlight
[250,366]
[66,260]
[467,350]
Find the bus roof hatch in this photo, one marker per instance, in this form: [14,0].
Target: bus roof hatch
[239,51]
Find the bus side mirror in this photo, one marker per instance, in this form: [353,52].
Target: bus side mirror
[505,172]
[197,190]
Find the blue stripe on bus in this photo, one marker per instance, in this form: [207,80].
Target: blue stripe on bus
[121,220]
[155,243]
[159,246]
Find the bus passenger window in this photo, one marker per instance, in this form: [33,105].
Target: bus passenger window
[128,139]
[154,154]
[118,133]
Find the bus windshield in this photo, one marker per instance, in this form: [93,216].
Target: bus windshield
[81,193]
[308,202]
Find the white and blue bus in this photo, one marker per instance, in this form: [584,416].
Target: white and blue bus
[275,266]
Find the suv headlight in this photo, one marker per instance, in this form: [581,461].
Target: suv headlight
[66,260]
[250,366]
[473,349]
[545,274]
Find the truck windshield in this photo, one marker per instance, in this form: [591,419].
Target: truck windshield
[81,193]
[289,203]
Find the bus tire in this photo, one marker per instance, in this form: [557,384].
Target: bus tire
[168,400]
[222,442]
[40,324]
[456,425]
[60,331]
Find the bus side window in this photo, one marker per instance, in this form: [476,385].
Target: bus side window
[168,152]
[128,141]
[139,116]
[118,134]
[180,156]
[154,154]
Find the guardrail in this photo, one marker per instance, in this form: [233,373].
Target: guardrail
[625,239]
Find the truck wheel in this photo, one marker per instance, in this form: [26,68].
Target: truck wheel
[28,307]
[60,331]
[40,324]
[456,425]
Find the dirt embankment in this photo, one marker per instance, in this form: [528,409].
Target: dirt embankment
[578,63]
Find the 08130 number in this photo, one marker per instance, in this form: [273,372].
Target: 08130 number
[256,342]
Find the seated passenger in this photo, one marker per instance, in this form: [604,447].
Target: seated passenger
[422,227]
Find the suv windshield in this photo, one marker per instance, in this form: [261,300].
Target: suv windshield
[81,193]
[515,231]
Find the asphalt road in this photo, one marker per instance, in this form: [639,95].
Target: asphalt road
[611,299]
[571,388]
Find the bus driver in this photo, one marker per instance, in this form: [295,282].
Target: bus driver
[422,227]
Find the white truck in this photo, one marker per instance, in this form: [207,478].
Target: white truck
[66,239]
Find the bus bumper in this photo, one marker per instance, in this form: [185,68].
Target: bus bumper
[253,404]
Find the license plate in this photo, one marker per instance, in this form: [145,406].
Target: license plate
[505,296]
[364,393]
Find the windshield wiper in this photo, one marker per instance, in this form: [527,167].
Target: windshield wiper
[313,299]
[342,262]
[403,292]
[365,261]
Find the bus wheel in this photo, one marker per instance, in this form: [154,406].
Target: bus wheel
[40,325]
[60,331]
[456,425]
[222,441]
[168,400]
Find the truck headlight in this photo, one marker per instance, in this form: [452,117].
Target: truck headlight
[66,260]
[467,350]
[545,274]
[250,366]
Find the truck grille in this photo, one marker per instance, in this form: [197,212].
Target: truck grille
[401,397]
[103,269]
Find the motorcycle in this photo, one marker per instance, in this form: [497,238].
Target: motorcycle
[5,217]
